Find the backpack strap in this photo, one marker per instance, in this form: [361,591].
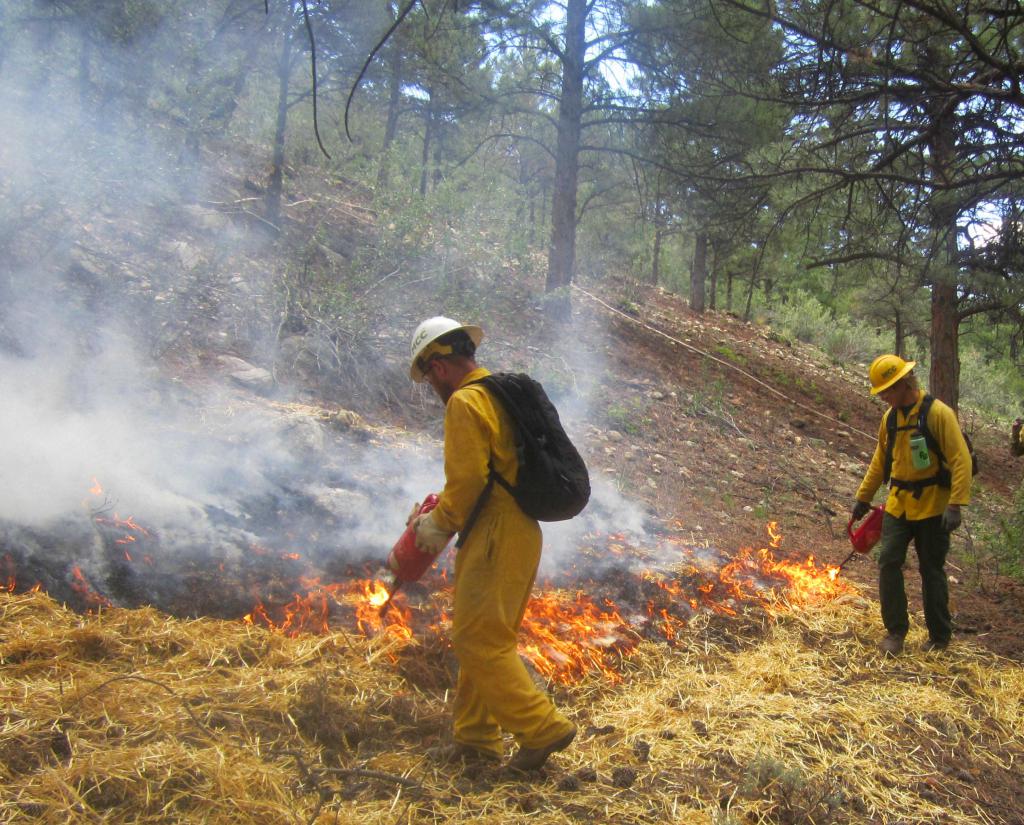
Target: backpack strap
[942,477]
[492,474]
[890,437]
[474,514]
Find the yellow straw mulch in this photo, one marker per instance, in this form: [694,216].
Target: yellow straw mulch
[131,717]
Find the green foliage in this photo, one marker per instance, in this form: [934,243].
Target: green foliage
[999,546]
[628,416]
[729,354]
[795,797]
[707,399]
[845,341]
[990,385]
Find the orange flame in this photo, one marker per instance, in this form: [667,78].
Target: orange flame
[567,636]
[82,587]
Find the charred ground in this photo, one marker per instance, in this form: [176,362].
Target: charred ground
[716,425]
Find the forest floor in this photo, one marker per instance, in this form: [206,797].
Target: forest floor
[749,427]
[713,425]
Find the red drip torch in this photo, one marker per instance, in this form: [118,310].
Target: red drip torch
[867,534]
[406,561]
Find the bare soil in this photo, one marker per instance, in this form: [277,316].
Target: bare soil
[727,426]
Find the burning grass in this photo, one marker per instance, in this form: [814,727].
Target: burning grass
[783,716]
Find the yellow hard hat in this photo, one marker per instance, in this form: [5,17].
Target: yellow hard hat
[425,336]
[886,370]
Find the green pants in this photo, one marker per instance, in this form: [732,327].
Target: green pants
[932,545]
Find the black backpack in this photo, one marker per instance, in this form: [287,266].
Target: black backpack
[943,477]
[552,483]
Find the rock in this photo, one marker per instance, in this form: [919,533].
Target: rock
[246,375]
[304,435]
[208,219]
[187,255]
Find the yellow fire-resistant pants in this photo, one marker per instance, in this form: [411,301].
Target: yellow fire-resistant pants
[494,572]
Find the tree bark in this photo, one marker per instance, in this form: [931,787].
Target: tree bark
[562,252]
[276,184]
[944,375]
[391,124]
[428,134]
[945,368]
[713,286]
[699,272]
[656,253]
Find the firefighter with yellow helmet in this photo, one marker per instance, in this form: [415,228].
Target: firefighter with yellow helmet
[921,453]
[495,567]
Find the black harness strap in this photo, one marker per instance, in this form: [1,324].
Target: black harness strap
[942,477]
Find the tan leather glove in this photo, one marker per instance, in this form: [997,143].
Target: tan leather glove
[429,537]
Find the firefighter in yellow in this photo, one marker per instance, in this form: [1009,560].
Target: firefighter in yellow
[494,568]
[928,469]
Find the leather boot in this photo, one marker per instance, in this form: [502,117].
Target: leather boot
[891,645]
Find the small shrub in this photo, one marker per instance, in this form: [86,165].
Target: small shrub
[1000,545]
[628,417]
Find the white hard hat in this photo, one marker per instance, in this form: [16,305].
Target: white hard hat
[428,332]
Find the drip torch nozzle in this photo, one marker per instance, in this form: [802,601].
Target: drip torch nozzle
[392,587]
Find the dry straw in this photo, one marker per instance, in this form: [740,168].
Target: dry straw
[767,717]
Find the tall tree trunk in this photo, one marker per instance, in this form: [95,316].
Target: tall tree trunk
[428,134]
[391,124]
[713,286]
[943,381]
[900,338]
[944,375]
[750,297]
[699,272]
[276,185]
[656,252]
[562,252]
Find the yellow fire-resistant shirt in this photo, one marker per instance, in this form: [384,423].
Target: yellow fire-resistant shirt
[476,430]
[943,425]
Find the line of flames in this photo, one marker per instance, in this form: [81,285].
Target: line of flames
[568,635]
[565,635]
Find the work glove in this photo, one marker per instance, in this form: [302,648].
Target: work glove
[415,511]
[951,518]
[860,509]
[429,537]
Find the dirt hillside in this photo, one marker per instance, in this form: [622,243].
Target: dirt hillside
[765,711]
[730,425]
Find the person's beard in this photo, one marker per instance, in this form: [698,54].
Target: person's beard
[444,392]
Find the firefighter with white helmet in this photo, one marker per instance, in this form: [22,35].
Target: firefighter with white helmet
[426,342]
[495,567]
[921,453]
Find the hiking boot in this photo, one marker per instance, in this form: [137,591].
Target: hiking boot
[530,759]
[891,645]
[460,752]
[934,644]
